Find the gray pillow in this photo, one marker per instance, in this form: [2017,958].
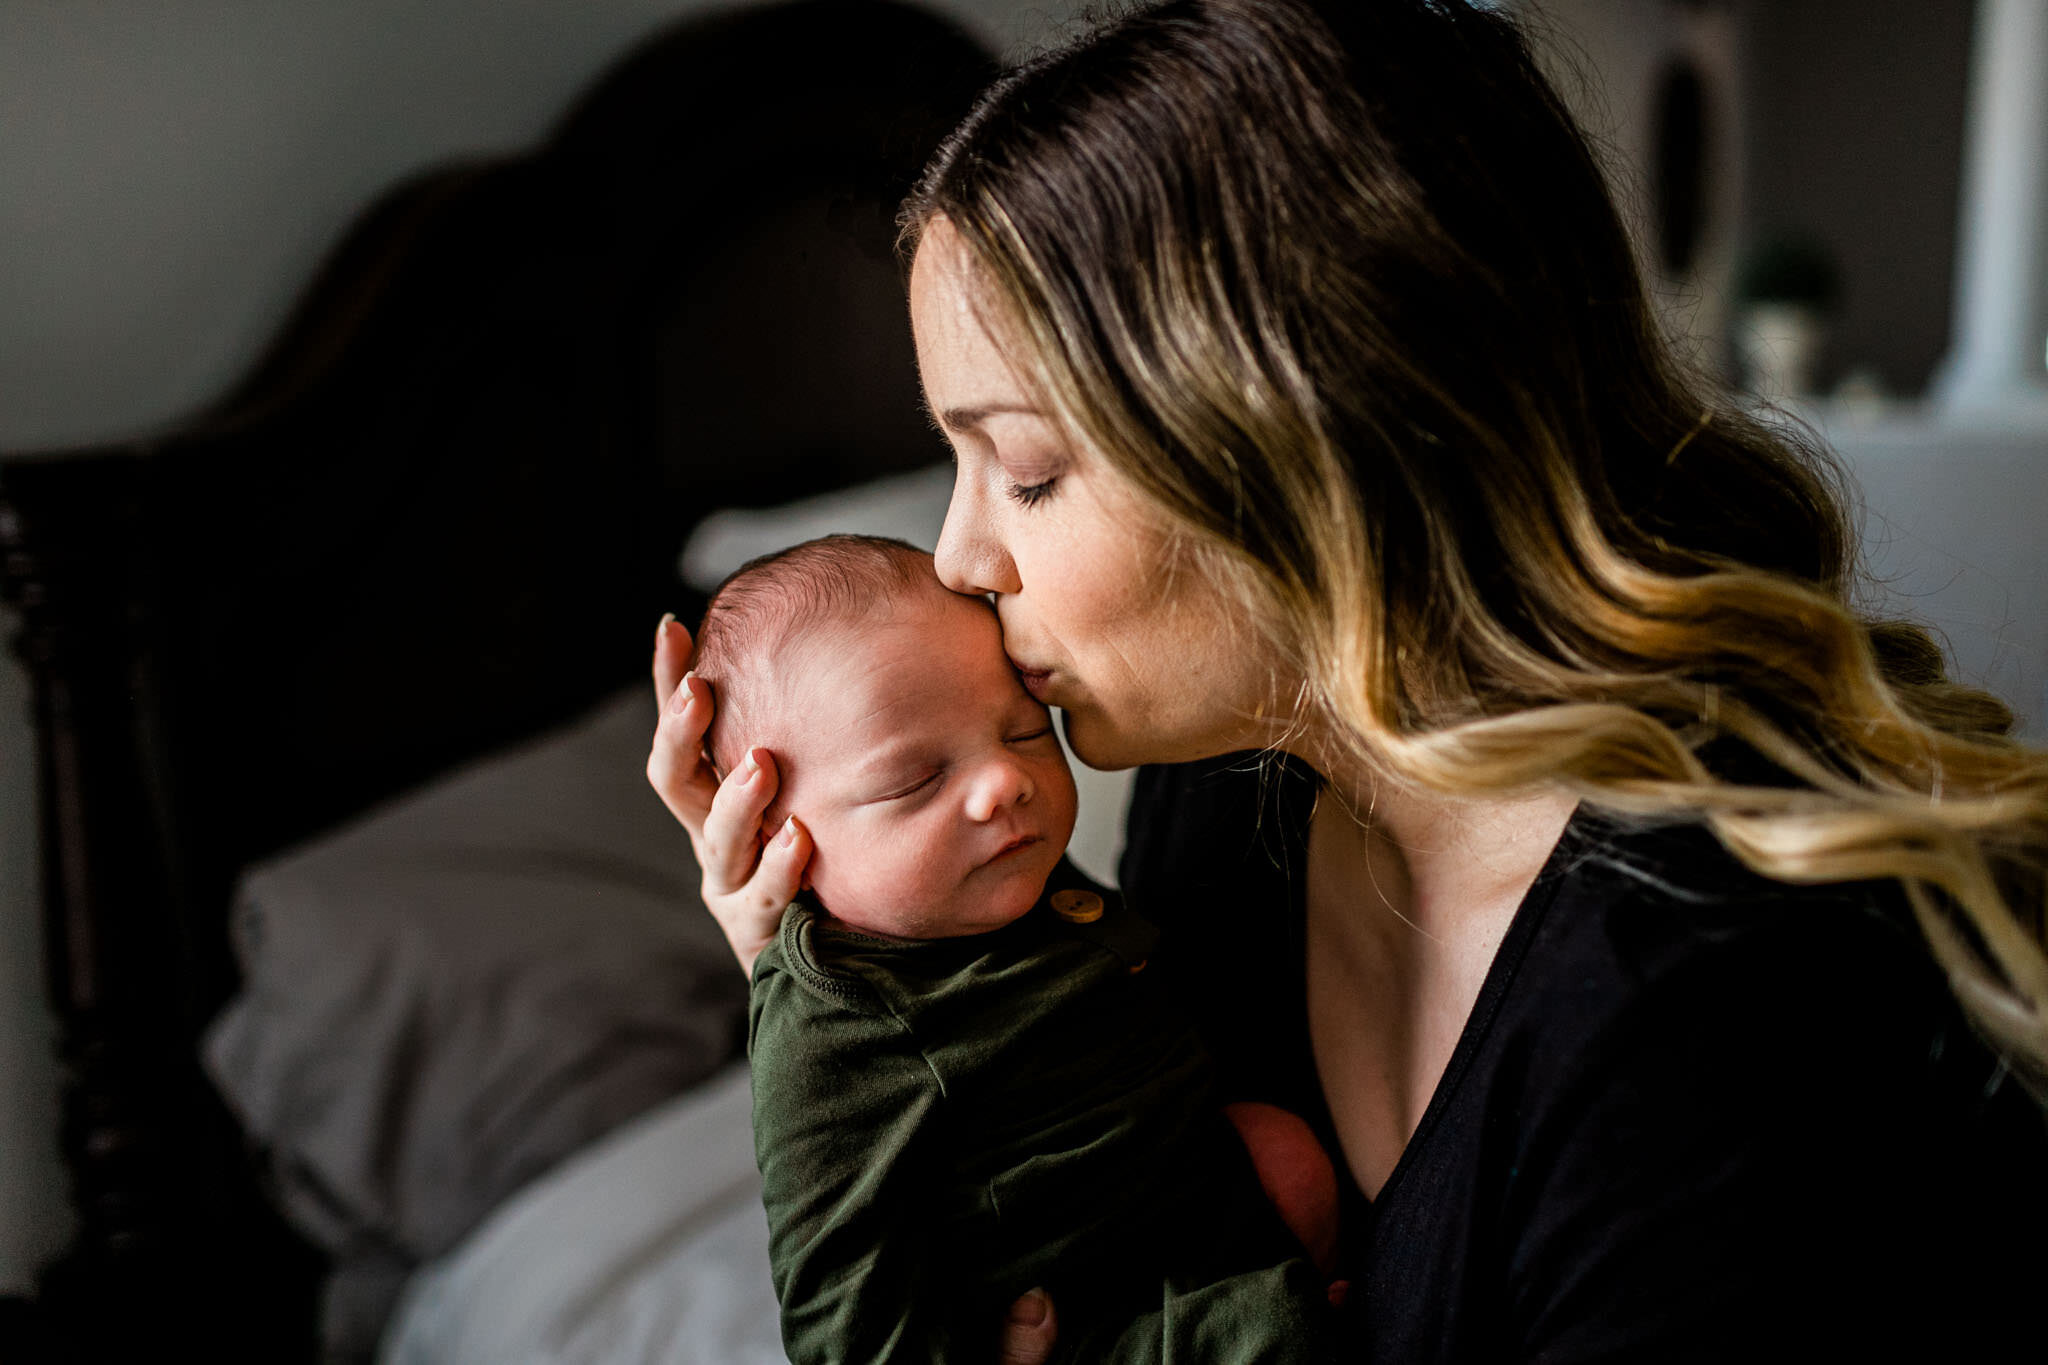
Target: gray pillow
[446,998]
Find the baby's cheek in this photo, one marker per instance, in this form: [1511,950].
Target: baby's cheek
[875,871]
[929,870]
[906,870]
[1066,799]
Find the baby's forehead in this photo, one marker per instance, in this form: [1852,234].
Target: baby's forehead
[871,669]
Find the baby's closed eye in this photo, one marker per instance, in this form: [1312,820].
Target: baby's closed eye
[911,787]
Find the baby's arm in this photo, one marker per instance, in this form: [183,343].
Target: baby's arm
[844,1105]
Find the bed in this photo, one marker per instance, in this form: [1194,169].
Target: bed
[370,950]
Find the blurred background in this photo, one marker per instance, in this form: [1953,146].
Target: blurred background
[1842,203]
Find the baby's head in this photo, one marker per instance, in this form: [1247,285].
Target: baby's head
[932,784]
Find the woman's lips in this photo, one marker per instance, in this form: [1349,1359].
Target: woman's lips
[1037,681]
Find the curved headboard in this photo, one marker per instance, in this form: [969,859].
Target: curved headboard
[440,514]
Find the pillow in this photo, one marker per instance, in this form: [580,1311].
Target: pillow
[909,507]
[446,998]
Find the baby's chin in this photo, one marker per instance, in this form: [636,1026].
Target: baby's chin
[982,904]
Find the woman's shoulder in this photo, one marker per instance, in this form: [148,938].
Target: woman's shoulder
[1688,1079]
[1658,964]
[1646,903]
[1629,913]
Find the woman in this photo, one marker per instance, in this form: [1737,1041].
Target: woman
[1656,943]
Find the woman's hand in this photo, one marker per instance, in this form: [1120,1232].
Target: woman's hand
[1029,1332]
[747,881]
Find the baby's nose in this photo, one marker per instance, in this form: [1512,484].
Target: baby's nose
[999,785]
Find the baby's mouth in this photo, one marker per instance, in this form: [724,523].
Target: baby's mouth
[1021,842]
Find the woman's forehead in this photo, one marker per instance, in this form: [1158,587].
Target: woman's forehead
[963,346]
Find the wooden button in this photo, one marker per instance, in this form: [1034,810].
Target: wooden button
[1077,907]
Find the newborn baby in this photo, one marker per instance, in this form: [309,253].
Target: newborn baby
[966,1083]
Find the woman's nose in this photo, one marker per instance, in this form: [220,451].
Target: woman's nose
[971,557]
[997,786]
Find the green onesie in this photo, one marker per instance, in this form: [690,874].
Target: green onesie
[943,1125]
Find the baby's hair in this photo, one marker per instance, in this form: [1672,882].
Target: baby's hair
[770,601]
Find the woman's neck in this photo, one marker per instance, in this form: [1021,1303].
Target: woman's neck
[1431,856]
[1409,897]
[1436,857]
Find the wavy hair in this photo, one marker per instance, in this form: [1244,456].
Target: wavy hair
[1339,287]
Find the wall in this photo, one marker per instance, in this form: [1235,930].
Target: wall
[1855,135]
[1851,131]
[1606,57]
[174,171]
[173,174]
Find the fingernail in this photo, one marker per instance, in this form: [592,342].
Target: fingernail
[788,835]
[661,629]
[1029,1311]
[680,702]
[751,767]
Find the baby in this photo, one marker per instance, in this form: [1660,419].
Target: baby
[965,1082]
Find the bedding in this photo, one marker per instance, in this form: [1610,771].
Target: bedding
[449,996]
[649,1248]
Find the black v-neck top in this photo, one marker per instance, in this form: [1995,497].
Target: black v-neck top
[1695,1114]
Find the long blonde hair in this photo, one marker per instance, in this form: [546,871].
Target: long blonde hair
[1340,288]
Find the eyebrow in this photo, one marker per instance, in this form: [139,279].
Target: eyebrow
[966,419]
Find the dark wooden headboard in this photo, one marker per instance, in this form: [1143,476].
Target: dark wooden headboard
[440,514]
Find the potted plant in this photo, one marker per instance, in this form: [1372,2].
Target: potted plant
[1787,288]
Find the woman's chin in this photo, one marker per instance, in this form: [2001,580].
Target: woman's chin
[1094,742]
[1102,745]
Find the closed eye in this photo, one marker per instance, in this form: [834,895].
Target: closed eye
[1039,733]
[1032,494]
[913,789]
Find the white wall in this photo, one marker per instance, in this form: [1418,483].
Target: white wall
[173,174]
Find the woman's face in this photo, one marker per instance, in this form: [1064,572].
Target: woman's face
[1150,664]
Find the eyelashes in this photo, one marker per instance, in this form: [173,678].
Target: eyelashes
[1031,494]
[908,792]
